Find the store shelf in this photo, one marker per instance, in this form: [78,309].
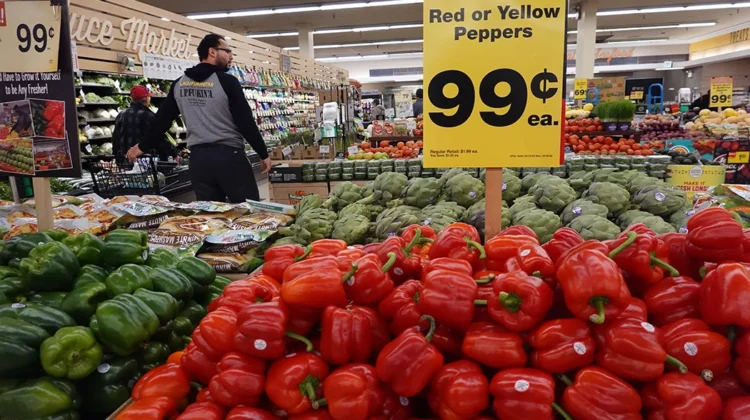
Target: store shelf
[100,139]
[95,121]
[97,85]
[88,104]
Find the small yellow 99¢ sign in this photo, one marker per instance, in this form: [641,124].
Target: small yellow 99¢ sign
[580,86]
[495,80]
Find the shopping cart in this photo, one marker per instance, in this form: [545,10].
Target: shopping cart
[114,175]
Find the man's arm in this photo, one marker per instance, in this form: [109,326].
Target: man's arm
[242,114]
[168,112]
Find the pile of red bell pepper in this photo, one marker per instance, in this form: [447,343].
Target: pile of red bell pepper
[439,326]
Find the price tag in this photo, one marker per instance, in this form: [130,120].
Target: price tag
[636,94]
[352,150]
[738,157]
[29,36]
[721,92]
[508,111]
[580,86]
[89,148]
[286,151]
[325,149]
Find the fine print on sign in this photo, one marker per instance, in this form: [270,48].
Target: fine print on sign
[721,92]
[29,36]
[495,76]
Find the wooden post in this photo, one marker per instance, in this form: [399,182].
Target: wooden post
[43,199]
[493,192]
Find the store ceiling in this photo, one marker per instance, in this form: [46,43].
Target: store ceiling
[709,22]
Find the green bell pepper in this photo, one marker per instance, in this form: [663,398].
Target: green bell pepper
[20,246]
[50,267]
[194,312]
[125,247]
[87,247]
[105,390]
[197,270]
[6,272]
[173,282]
[19,347]
[38,399]
[72,353]
[13,287]
[82,301]
[175,333]
[6,384]
[127,279]
[49,319]
[51,299]
[90,274]
[163,304]
[162,258]
[153,355]
[221,282]
[121,324]
[56,234]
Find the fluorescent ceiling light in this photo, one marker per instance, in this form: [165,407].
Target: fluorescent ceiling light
[272,35]
[646,28]
[166,19]
[339,30]
[637,41]
[361,44]
[669,68]
[302,9]
[672,9]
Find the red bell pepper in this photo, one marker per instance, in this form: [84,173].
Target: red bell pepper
[672,299]
[346,334]
[737,408]
[587,299]
[704,352]
[395,407]
[278,258]
[238,294]
[293,383]
[176,357]
[310,265]
[262,330]
[248,413]
[519,230]
[217,331]
[448,264]
[642,255]
[319,288]
[448,342]
[494,346]
[533,259]
[400,308]
[724,295]
[239,380]
[524,394]
[522,301]
[408,363]
[163,381]
[631,350]
[681,396]
[449,298]
[370,282]
[562,345]
[459,241]
[728,385]
[348,256]
[501,248]
[742,362]
[481,312]
[197,364]
[427,236]
[678,257]
[598,394]
[562,240]
[204,395]
[459,391]
[327,247]
[151,408]
[203,411]
[714,235]
[408,265]
[319,414]
[354,392]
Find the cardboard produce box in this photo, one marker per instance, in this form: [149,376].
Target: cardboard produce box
[310,153]
[292,193]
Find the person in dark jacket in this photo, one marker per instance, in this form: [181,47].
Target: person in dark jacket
[219,121]
[132,125]
[418,104]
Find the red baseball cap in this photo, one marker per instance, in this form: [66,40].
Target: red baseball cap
[139,92]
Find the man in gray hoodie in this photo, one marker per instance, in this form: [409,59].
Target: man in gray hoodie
[219,121]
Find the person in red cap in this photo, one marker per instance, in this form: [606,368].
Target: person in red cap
[132,124]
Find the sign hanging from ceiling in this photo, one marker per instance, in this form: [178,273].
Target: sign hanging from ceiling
[495,77]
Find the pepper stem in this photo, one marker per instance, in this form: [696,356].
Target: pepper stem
[308,388]
[390,262]
[631,238]
[414,241]
[319,403]
[480,302]
[677,363]
[415,298]
[703,272]
[598,303]
[350,273]
[486,280]
[511,301]
[295,336]
[561,411]
[308,250]
[565,380]
[474,244]
[431,331]
[731,334]
[663,264]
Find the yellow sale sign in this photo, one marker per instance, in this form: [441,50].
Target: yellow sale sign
[695,178]
[494,72]
[580,87]
[29,36]
[721,92]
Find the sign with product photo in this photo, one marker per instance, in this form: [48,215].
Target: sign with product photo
[483,106]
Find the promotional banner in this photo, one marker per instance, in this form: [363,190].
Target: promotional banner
[695,178]
[38,123]
[486,105]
